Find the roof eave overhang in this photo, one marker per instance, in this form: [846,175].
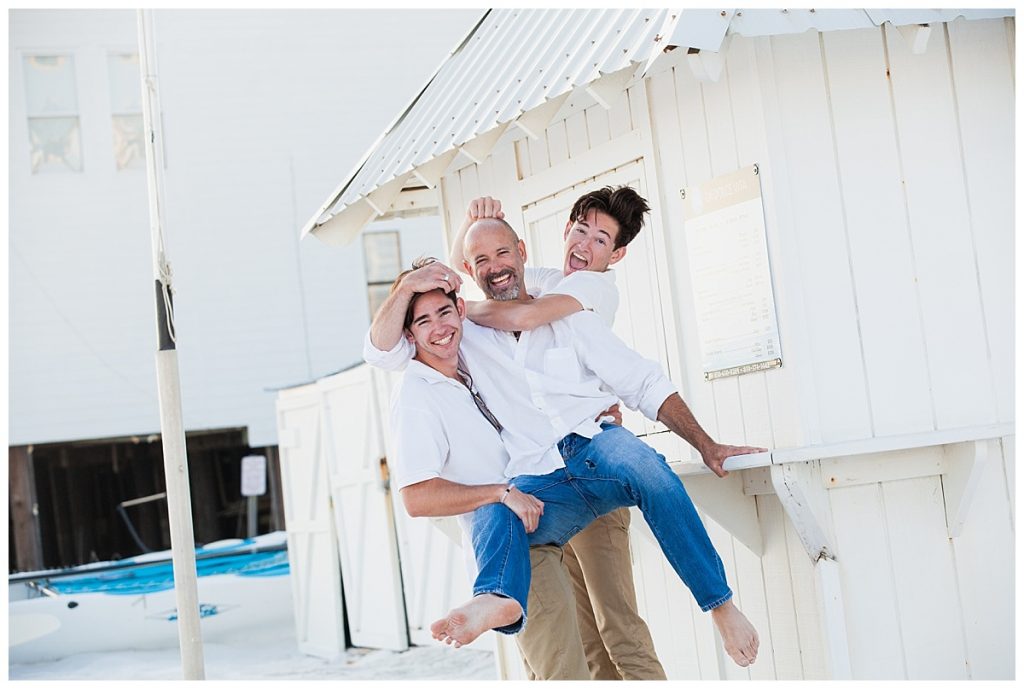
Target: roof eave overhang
[703,31]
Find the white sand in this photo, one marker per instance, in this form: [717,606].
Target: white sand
[269,655]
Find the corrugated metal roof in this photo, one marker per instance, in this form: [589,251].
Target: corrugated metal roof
[517,60]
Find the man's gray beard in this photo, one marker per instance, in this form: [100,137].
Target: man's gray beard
[511,295]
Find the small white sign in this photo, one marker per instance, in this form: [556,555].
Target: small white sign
[254,475]
[732,283]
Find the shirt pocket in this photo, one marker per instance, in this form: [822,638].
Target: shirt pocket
[561,363]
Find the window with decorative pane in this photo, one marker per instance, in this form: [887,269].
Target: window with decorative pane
[51,103]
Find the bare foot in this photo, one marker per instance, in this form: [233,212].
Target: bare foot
[738,636]
[486,611]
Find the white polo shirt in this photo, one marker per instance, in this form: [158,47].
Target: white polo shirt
[553,381]
[438,432]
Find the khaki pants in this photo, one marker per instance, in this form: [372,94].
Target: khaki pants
[550,644]
[605,627]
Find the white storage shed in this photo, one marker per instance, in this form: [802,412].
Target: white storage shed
[876,539]
[354,552]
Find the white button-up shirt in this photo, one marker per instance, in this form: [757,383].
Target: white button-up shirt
[553,381]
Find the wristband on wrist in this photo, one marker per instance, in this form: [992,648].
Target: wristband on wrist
[508,489]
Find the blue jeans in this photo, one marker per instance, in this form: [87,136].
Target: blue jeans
[613,469]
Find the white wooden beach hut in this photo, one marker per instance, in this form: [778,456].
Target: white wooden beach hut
[876,539]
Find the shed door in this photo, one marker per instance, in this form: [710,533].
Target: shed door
[312,549]
[362,513]
[640,320]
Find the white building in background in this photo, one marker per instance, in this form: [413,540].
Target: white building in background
[876,539]
[262,111]
[246,154]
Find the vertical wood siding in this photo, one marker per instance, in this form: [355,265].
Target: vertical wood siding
[982,79]
[886,179]
[898,302]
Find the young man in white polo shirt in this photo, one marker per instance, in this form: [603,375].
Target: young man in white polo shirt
[437,423]
[546,387]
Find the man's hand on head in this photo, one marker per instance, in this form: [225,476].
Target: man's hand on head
[715,455]
[432,276]
[528,508]
[484,207]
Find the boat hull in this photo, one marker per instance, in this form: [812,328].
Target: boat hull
[131,605]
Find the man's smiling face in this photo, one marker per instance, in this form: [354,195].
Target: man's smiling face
[436,327]
[496,257]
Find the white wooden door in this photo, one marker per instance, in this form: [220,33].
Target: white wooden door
[364,521]
[312,545]
[641,320]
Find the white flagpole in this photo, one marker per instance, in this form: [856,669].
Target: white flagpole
[172,431]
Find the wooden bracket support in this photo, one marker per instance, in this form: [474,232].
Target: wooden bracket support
[534,122]
[707,65]
[430,172]
[480,147]
[608,88]
[803,496]
[411,202]
[724,500]
[380,199]
[341,228]
[964,465]
[916,36]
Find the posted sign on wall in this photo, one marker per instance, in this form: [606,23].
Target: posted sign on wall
[732,283]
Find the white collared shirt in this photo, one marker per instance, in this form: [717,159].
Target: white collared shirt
[438,432]
[553,381]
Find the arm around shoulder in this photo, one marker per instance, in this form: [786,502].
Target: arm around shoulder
[516,316]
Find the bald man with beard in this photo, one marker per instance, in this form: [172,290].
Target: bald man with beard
[546,406]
